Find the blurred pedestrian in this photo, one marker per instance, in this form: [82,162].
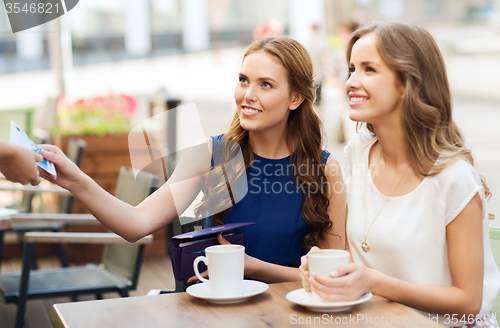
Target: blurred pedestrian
[346,129]
[338,44]
[270,29]
[318,50]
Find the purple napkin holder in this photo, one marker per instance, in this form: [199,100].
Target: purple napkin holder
[186,247]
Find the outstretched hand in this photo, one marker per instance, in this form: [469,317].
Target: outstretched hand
[18,164]
[68,172]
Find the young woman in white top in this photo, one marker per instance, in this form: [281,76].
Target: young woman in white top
[417,223]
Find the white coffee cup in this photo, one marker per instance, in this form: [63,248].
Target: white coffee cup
[225,269]
[324,261]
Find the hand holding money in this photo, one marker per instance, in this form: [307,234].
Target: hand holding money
[18,164]
[68,172]
[20,138]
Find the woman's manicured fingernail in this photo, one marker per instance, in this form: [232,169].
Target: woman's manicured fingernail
[334,273]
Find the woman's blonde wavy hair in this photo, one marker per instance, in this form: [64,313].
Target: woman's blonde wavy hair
[303,135]
[426,109]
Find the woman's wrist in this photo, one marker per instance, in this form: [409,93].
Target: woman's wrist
[374,281]
[251,266]
[7,151]
[256,269]
[80,184]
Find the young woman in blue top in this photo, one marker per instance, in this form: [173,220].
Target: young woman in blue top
[295,191]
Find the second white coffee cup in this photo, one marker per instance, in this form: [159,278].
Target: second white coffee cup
[225,269]
[324,261]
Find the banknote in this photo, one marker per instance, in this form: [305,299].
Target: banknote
[20,138]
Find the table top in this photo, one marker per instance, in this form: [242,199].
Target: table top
[269,309]
[7,212]
[5,222]
[44,186]
[29,188]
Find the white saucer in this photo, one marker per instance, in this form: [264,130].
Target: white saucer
[250,288]
[301,297]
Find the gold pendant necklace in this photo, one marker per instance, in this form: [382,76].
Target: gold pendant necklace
[365,246]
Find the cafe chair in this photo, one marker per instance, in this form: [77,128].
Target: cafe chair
[175,228]
[4,226]
[117,272]
[180,286]
[495,248]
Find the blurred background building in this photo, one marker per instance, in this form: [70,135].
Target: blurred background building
[115,30]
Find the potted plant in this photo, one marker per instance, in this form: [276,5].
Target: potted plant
[103,122]
[96,115]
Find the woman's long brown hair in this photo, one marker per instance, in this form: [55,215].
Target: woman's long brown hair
[303,135]
[426,109]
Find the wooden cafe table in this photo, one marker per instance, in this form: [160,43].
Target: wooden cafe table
[269,309]
[5,222]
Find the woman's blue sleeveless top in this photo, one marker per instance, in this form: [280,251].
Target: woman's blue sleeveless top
[274,202]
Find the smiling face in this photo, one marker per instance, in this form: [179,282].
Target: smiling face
[373,88]
[263,95]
